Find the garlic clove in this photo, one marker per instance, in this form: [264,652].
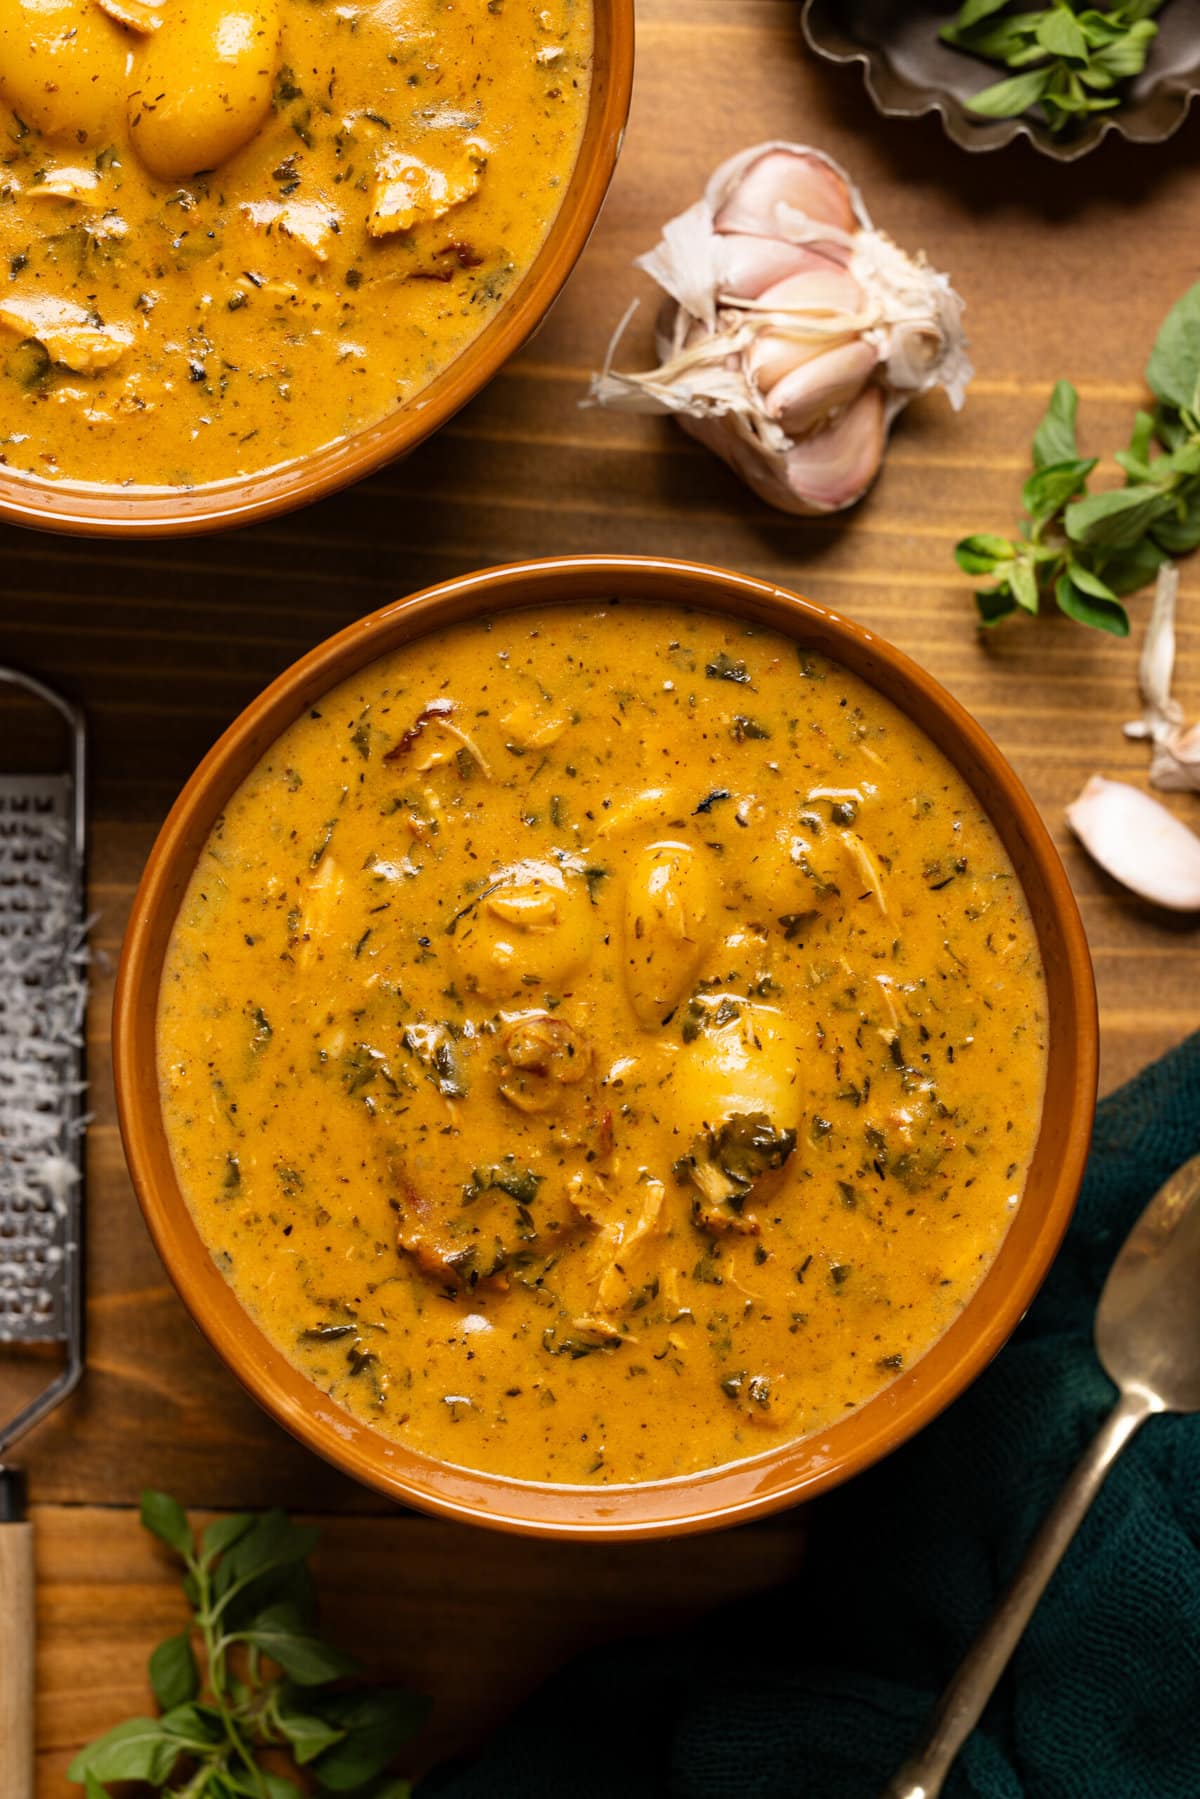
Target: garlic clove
[1175,759]
[825,473]
[1139,842]
[748,265]
[811,393]
[781,180]
[823,307]
[836,466]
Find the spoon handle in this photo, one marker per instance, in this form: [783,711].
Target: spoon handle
[961,1705]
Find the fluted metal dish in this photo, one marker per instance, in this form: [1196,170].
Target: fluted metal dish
[908,71]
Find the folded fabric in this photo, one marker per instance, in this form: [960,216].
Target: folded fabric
[818,1691]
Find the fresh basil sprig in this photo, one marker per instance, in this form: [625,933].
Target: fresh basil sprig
[1083,550]
[1069,59]
[253,1612]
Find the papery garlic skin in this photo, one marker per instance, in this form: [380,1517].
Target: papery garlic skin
[797,332]
[1139,842]
[1175,761]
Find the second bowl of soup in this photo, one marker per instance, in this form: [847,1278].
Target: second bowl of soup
[255,248]
[595,1028]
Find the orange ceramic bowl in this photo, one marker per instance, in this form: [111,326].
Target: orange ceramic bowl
[786,1472]
[93,510]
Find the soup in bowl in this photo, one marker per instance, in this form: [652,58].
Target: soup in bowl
[585,1041]
[254,248]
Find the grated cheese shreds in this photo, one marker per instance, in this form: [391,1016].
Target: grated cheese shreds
[43,993]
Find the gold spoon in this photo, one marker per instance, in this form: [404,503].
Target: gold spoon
[1148,1339]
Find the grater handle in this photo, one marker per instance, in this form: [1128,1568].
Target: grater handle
[16,1645]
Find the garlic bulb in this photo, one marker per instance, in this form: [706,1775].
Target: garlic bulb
[794,331]
[1139,842]
[1175,762]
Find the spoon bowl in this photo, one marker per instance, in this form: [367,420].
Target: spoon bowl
[1148,1320]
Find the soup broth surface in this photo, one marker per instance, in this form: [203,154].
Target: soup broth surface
[599,1043]
[232,231]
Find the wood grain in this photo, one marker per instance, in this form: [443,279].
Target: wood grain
[473,1619]
[1066,271]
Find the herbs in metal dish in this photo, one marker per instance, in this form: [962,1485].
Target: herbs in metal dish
[1071,61]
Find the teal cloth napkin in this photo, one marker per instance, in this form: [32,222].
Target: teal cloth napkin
[818,1691]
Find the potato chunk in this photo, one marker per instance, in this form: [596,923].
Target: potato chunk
[409,191]
[749,1064]
[670,907]
[62,64]
[529,927]
[200,90]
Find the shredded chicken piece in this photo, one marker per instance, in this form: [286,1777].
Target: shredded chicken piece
[440,756]
[532,727]
[79,185]
[620,1237]
[323,893]
[864,864]
[134,14]
[601,1330]
[409,191]
[313,227]
[66,332]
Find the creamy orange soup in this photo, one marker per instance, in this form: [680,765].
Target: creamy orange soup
[597,1044]
[232,231]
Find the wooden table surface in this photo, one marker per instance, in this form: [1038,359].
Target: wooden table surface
[1066,271]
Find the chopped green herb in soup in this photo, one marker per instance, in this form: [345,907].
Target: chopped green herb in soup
[598,1044]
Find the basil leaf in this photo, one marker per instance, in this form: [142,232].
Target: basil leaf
[979,555]
[1100,28]
[1089,609]
[1007,99]
[1088,581]
[1012,41]
[92,1788]
[1178,530]
[223,1533]
[1117,519]
[1183,460]
[1054,439]
[279,1788]
[193,1727]
[1049,488]
[994,603]
[306,1658]
[1173,370]
[1023,582]
[166,1519]
[1169,428]
[173,1674]
[378,1722]
[1126,55]
[139,1749]
[271,1542]
[972,11]
[1127,571]
[307,1734]
[1059,34]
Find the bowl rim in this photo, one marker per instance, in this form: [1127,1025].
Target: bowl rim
[779,1475]
[91,509]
